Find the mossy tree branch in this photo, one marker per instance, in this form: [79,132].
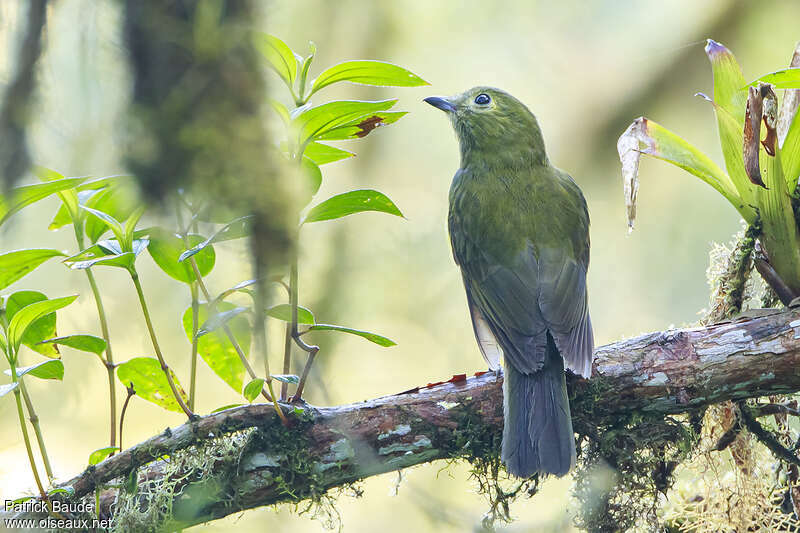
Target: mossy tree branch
[256,461]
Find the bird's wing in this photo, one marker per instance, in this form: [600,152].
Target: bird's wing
[564,306]
[506,299]
[487,342]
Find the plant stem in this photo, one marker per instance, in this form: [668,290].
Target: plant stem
[108,362]
[260,338]
[151,330]
[293,297]
[37,430]
[212,308]
[195,326]
[25,437]
[131,393]
[287,360]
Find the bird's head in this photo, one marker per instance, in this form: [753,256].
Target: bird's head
[492,123]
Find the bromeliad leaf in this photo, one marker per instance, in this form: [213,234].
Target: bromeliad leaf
[367,73]
[647,137]
[352,202]
[101,454]
[50,369]
[372,337]
[782,79]
[220,319]
[362,126]
[284,312]
[730,91]
[26,316]
[217,350]
[150,382]
[84,343]
[17,264]
[24,196]
[166,248]
[42,328]
[322,154]
[253,389]
[240,227]
[316,121]
[279,56]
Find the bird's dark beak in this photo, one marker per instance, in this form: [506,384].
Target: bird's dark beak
[440,103]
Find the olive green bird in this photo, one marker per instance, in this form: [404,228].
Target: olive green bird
[519,229]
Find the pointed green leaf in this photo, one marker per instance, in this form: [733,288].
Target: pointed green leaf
[788,78]
[106,253]
[730,91]
[69,197]
[238,287]
[101,454]
[313,177]
[253,389]
[7,387]
[61,218]
[362,126]
[84,343]
[226,407]
[69,491]
[216,349]
[790,154]
[238,228]
[166,248]
[21,197]
[150,382]
[284,312]
[372,337]
[113,223]
[368,73]
[116,200]
[279,56]
[352,202]
[42,328]
[322,154]
[130,226]
[218,320]
[316,121]
[26,316]
[280,110]
[17,264]
[50,369]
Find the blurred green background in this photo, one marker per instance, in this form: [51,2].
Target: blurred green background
[586,69]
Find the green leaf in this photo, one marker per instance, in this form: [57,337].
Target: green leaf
[351,202]
[61,218]
[226,407]
[24,196]
[322,154]
[129,228]
[644,136]
[116,200]
[367,73]
[238,287]
[362,126]
[279,56]
[730,91]
[316,121]
[280,110]
[372,337]
[284,312]
[218,320]
[69,491]
[253,389]
[236,229]
[790,154]
[286,378]
[100,454]
[84,343]
[313,177]
[216,349]
[69,197]
[29,314]
[17,264]
[150,382]
[113,224]
[788,78]
[107,253]
[166,248]
[50,369]
[42,328]
[7,387]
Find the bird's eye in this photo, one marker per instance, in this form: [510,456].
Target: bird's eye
[482,99]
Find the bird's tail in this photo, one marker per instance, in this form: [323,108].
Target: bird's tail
[537,431]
